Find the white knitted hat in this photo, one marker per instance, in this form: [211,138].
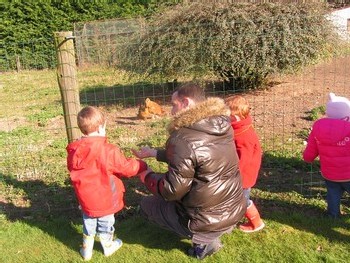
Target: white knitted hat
[338,107]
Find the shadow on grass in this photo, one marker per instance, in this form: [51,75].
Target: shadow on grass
[304,217]
[292,186]
[295,189]
[53,209]
[287,174]
[150,235]
[46,206]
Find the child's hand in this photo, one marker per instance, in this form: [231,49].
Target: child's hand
[143,174]
[145,152]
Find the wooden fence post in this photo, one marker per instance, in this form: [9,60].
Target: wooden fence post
[67,81]
[18,64]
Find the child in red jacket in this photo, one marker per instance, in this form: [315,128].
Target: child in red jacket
[250,155]
[95,168]
[330,140]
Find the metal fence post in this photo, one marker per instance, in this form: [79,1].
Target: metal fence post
[67,81]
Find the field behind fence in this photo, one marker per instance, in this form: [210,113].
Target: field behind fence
[33,133]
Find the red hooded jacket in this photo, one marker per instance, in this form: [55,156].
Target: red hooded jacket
[248,149]
[95,168]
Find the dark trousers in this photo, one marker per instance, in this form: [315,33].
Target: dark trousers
[163,213]
[335,191]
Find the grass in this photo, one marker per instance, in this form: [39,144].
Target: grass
[316,113]
[289,236]
[40,221]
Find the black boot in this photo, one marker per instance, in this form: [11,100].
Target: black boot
[200,251]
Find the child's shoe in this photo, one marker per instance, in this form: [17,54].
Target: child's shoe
[88,245]
[254,221]
[109,245]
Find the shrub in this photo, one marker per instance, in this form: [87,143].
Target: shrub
[27,27]
[241,43]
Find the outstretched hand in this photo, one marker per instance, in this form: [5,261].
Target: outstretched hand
[145,152]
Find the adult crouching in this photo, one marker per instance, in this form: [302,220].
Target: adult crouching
[200,196]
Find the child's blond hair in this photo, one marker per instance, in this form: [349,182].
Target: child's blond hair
[238,105]
[89,119]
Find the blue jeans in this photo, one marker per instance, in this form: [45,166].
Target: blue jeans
[246,193]
[101,225]
[335,191]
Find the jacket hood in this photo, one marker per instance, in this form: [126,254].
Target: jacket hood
[332,131]
[200,117]
[84,151]
[242,123]
[338,107]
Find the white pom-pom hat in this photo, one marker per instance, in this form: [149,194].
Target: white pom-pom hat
[338,107]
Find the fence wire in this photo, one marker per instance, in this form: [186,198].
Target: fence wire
[33,138]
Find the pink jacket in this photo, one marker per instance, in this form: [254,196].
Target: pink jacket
[330,139]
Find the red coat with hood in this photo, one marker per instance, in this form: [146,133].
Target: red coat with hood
[248,149]
[95,168]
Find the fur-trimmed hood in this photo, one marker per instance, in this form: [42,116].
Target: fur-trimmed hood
[209,108]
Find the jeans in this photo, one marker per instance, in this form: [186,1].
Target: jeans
[335,191]
[102,225]
[246,193]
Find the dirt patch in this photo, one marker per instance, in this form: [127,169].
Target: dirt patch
[9,124]
[280,110]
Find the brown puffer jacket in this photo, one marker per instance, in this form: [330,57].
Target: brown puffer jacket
[203,176]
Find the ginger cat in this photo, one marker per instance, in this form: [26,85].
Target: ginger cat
[150,109]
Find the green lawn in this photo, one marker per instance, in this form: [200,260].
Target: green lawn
[288,237]
[40,221]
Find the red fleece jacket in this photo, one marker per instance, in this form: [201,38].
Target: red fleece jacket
[95,168]
[248,149]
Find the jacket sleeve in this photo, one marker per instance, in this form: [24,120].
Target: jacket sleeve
[177,181]
[161,155]
[311,150]
[122,166]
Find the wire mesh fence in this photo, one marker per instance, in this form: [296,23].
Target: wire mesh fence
[28,55]
[98,42]
[33,137]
